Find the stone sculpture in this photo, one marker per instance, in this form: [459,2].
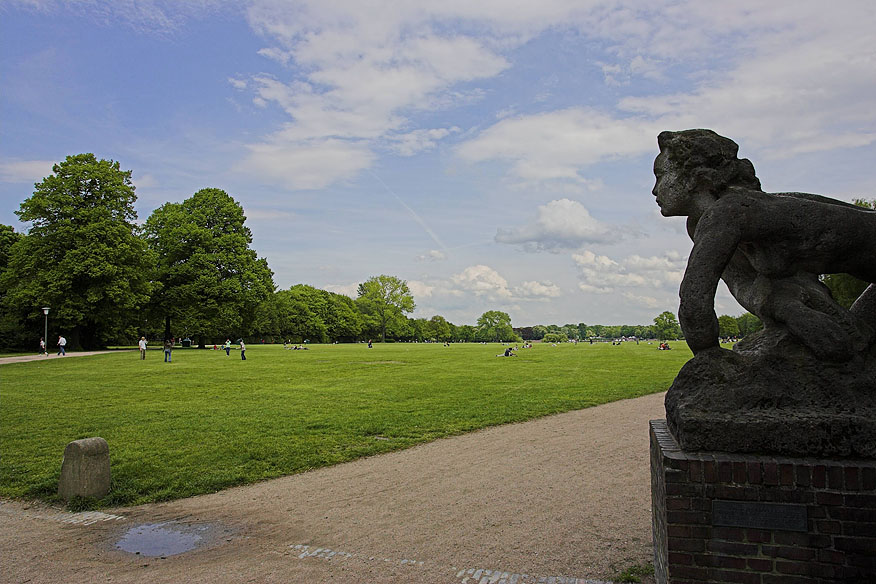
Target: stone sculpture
[806,384]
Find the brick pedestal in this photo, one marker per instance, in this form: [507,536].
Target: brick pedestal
[760,519]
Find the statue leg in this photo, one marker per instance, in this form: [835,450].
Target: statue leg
[810,314]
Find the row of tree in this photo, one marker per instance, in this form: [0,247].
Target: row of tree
[189,271]
[665,327]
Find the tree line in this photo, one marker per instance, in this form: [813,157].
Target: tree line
[189,271]
[665,327]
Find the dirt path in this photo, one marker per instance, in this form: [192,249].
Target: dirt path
[564,496]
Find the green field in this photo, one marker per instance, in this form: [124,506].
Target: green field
[206,421]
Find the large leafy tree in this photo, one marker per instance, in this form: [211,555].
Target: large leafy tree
[466,333]
[8,236]
[211,281]
[440,328]
[317,315]
[337,312]
[667,326]
[82,255]
[748,323]
[727,326]
[385,299]
[494,325]
[12,334]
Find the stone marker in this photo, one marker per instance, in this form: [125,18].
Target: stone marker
[85,470]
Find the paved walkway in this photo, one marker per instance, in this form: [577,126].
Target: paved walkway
[23,358]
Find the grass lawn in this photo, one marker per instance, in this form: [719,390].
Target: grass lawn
[207,421]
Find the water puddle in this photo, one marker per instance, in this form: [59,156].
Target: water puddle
[164,539]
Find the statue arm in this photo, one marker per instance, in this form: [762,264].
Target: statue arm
[715,242]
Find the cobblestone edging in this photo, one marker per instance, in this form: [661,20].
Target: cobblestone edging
[463,576]
[59,515]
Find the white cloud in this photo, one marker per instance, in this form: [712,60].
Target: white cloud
[281,56]
[648,301]
[804,97]
[482,280]
[591,289]
[419,140]
[143,16]
[267,215]
[351,290]
[601,274]
[561,224]
[420,289]
[145,181]
[559,145]
[787,77]
[756,69]
[617,74]
[434,255]
[362,68]
[309,165]
[237,83]
[538,290]
[25,171]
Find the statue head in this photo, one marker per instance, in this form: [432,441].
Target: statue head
[700,161]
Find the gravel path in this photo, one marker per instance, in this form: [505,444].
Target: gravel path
[22,358]
[564,497]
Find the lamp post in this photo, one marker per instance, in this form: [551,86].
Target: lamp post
[46,332]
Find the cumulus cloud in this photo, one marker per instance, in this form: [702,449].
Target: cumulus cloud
[482,280]
[561,224]
[420,289]
[531,289]
[559,145]
[601,274]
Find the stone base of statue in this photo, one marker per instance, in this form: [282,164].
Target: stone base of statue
[772,395]
[760,519]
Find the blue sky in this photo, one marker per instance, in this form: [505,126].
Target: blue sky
[495,154]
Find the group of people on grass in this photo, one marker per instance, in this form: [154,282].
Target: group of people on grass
[169,344]
[168,349]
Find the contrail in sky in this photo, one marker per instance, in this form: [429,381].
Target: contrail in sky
[413,213]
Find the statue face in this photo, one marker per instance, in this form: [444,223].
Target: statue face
[670,191]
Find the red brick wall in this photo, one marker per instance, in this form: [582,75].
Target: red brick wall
[835,498]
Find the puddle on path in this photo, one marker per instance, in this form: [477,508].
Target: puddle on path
[165,539]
